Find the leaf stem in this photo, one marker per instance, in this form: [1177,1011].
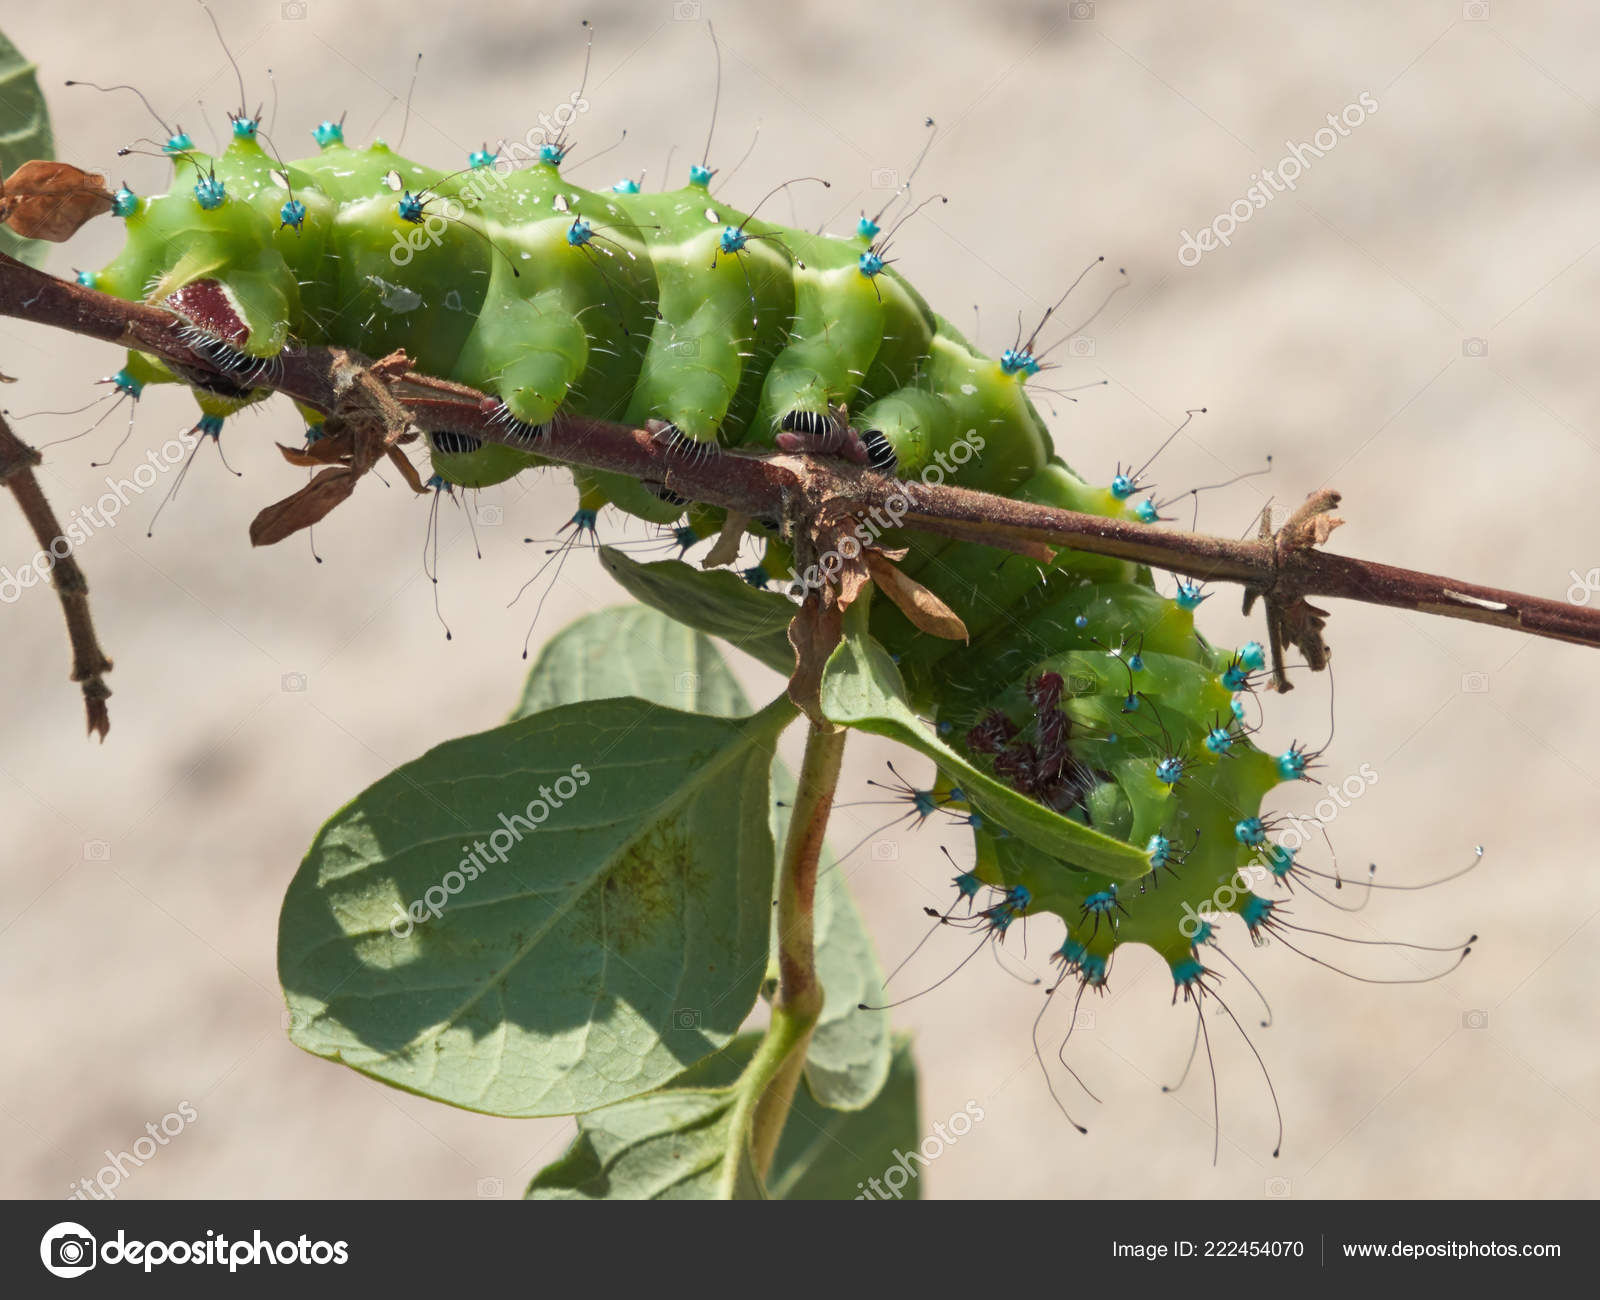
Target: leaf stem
[798,1004]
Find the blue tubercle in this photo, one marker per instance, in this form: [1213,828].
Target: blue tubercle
[409,208]
[1160,850]
[1255,912]
[1187,973]
[552,154]
[124,203]
[209,426]
[1013,905]
[1101,903]
[699,175]
[1253,656]
[1251,831]
[1093,970]
[625,186]
[1082,620]
[1123,487]
[867,229]
[210,193]
[85,278]
[1136,663]
[480,158]
[584,519]
[579,233]
[1219,740]
[967,884]
[179,142]
[314,433]
[1237,705]
[757,577]
[126,384]
[1018,361]
[1235,678]
[292,213]
[1292,764]
[870,263]
[327,134]
[1203,932]
[1189,595]
[1169,771]
[244,128]
[733,239]
[1147,512]
[1280,860]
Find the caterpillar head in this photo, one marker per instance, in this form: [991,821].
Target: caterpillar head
[205,252]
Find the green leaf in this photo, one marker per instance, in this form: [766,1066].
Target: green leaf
[674,1144]
[717,602]
[633,650]
[862,688]
[825,1154]
[849,1056]
[621,938]
[671,1145]
[24,135]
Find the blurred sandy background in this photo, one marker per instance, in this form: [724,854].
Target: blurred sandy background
[1334,333]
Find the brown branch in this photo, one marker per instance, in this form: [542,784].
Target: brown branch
[89,661]
[810,497]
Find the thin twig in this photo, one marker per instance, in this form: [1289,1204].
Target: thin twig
[89,661]
[798,1003]
[800,491]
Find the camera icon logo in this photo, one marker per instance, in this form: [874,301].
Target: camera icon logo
[684,347]
[1080,11]
[491,516]
[294,682]
[1583,587]
[293,11]
[1477,1018]
[886,851]
[489,1187]
[1475,347]
[686,11]
[686,683]
[885,178]
[97,851]
[1475,683]
[1084,1019]
[686,1018]
[68,1250]
[1082,346]
[1278,1188]
[1475,11]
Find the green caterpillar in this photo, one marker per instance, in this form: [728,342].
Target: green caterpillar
[1083,687]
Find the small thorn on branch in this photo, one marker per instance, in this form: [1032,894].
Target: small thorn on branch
[1292,620]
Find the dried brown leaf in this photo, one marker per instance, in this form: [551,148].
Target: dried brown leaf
[925,610]
[306,507]
[44,199]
